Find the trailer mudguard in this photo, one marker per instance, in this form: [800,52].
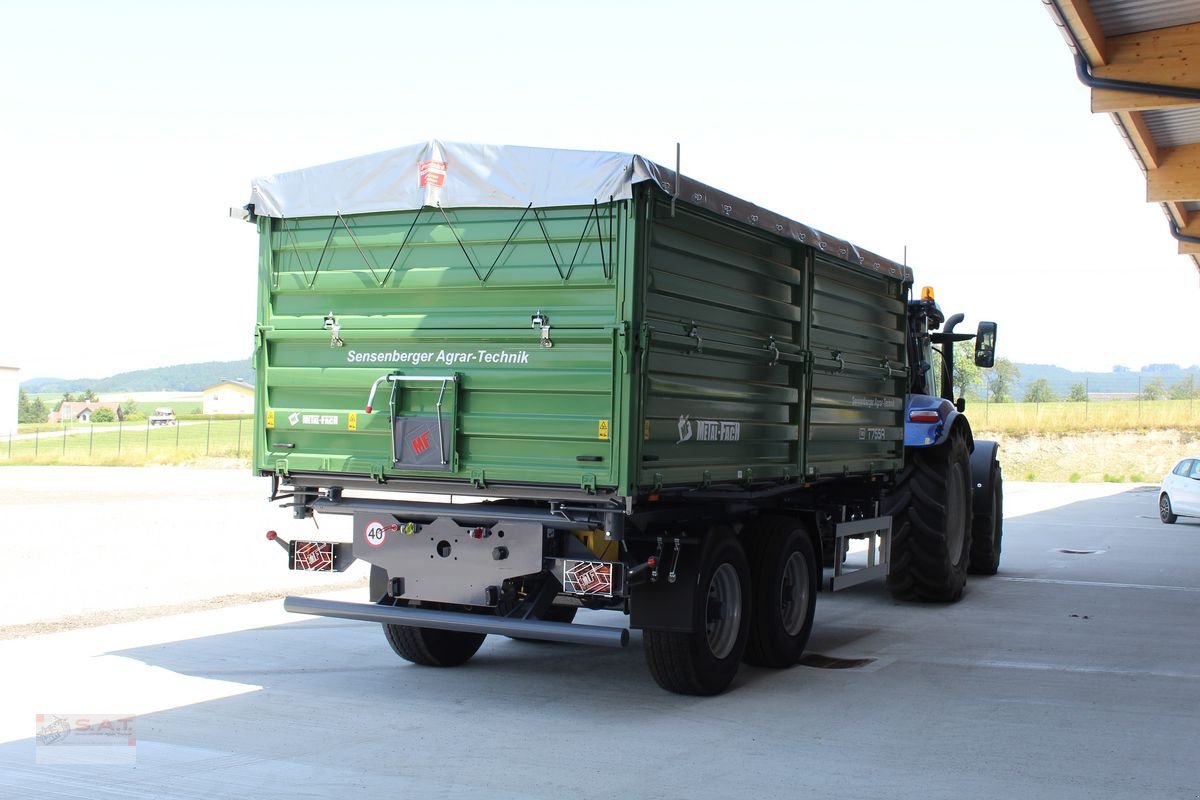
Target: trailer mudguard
[983,457]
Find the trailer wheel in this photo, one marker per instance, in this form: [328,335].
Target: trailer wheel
[431,647]
[931,536]
[783,574]
[987,532]
[705,661]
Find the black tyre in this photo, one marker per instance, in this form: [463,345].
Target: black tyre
[705,661]
[987,532]
[1164,509]
[431,647]
[931,525]
[784,580]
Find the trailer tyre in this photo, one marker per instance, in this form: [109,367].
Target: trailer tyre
[931,531]
[705,661]
[987,532]
[783,573]
[431,647]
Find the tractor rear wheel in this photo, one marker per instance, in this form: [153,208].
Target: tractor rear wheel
[931,524]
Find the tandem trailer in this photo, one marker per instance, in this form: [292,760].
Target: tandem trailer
[625,389]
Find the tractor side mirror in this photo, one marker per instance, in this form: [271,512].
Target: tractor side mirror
[985,345]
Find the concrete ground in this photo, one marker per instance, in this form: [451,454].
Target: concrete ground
[1071,674]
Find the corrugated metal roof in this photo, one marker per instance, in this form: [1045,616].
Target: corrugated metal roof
[1173,127]
[1118,17]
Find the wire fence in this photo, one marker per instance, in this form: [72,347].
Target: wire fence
[1065,416]
[129,442]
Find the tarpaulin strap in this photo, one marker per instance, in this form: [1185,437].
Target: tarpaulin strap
[370,262]
[295,247]
[594,212]
[411,228]
[483,278]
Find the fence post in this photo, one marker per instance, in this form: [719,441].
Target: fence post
[177,426]
[10,445]
[120,431]
[208,439]
[147,451]
[35,444]
[91,438]
[238,451]
[64,435]
[1139,397]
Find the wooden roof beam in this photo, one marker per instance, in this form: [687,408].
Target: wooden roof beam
[1088,33]
[1166,56]
[1177,177]
[1140,138]
[1192,228]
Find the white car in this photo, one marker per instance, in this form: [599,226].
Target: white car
[162,417]
[1180,493]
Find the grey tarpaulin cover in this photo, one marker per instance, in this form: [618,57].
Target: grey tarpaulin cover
[460,175]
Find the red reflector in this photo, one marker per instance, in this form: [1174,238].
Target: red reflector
[923,416]
[271,536]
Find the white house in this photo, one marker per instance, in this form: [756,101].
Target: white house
[9,388]
[229,397]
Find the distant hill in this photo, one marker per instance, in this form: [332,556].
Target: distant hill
[178,378]
[1117,383]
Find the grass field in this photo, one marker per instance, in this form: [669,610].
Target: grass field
[1065,417]
[130,444]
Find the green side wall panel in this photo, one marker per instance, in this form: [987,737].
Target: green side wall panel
[686,350]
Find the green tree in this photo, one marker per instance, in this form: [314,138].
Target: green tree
[66,398]
[966,375]
[30,411]
[1184,389]
[128,408]
[1040,392]
[1000,380]
[1154,390]
[104,415]
[89,396]
[1079,393]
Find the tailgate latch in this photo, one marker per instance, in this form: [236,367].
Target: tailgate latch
[540,320]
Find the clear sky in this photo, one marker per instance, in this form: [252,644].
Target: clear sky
[957,130]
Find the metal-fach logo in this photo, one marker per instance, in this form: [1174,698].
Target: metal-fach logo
[85,739]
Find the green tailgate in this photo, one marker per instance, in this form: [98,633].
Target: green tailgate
[439,304]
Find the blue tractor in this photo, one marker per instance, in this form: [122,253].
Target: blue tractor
[947,503]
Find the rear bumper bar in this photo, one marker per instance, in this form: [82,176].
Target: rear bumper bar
[461,622]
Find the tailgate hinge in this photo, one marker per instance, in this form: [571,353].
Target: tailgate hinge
[477,479]
[587,482]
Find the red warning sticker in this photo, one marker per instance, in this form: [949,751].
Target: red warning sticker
[432,173]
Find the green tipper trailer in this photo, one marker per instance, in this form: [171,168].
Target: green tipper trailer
[662,398]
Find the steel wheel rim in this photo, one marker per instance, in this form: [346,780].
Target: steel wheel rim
[723,614]
[1164,507]
[793,595]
